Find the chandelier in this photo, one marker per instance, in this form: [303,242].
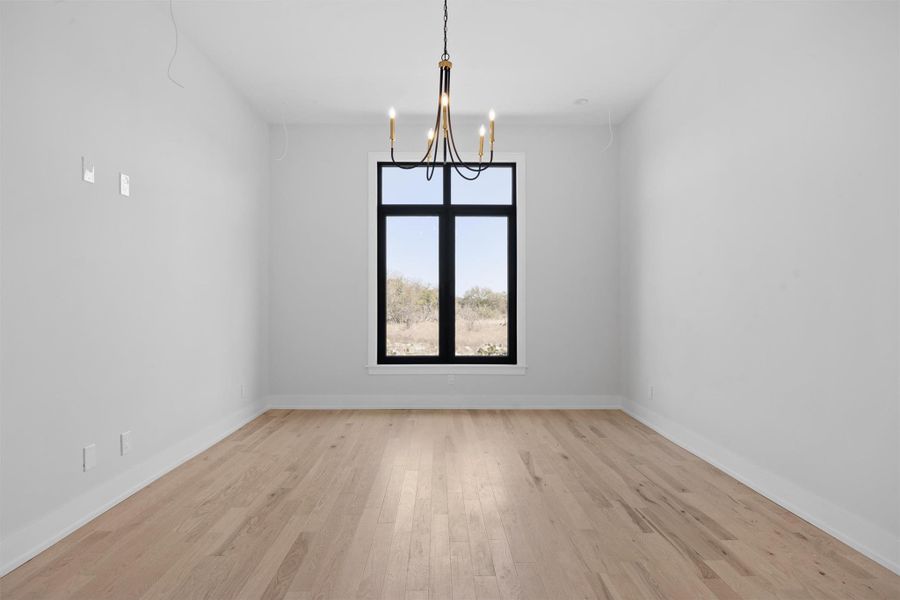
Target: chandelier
[440,137]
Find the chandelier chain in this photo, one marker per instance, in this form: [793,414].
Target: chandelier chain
[445,55]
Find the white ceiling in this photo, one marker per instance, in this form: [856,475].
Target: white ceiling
[350,60]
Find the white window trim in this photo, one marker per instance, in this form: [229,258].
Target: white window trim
[446,369]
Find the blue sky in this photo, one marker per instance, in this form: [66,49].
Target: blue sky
[412,242]
[493,186]
[412,250]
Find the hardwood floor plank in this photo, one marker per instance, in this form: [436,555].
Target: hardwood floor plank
[420,540]
[486,587]
[439,576]
[508,583]
[461,576]
[398,563]
[377,562]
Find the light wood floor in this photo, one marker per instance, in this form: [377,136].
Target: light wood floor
[448,504]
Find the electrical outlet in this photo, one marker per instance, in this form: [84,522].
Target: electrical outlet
[124,184]
[650,394]
[89,457]
[125,442]
[87,169]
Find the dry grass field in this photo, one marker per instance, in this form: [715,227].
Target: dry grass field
[487,335]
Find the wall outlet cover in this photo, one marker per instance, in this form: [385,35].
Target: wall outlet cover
[89,457]
[124,184]
[87,169]
[125,442]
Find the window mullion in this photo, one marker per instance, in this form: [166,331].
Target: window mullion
[447,275]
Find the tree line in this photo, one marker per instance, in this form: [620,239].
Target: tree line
[410,301]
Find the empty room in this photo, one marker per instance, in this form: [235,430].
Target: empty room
[615,316]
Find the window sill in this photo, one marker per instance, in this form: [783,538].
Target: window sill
[446,369]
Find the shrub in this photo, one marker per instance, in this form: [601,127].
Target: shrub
[410,301]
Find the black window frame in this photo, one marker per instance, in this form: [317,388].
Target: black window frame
[447,212]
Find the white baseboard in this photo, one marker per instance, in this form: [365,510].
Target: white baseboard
[444,401]
[855,531]
[24,544]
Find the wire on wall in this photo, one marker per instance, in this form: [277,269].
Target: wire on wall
[175,52]
[609,121]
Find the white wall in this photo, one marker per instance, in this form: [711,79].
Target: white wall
[318,275]
[141,313]
[760,260]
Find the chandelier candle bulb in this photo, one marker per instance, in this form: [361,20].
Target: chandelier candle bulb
[393,115]
[492,115]
[481,142]
[445,103]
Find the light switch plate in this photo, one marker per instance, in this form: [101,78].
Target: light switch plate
[87,169]
[124,184]
[89,457]
[125,442]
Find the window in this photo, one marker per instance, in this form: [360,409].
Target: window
[446,266]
